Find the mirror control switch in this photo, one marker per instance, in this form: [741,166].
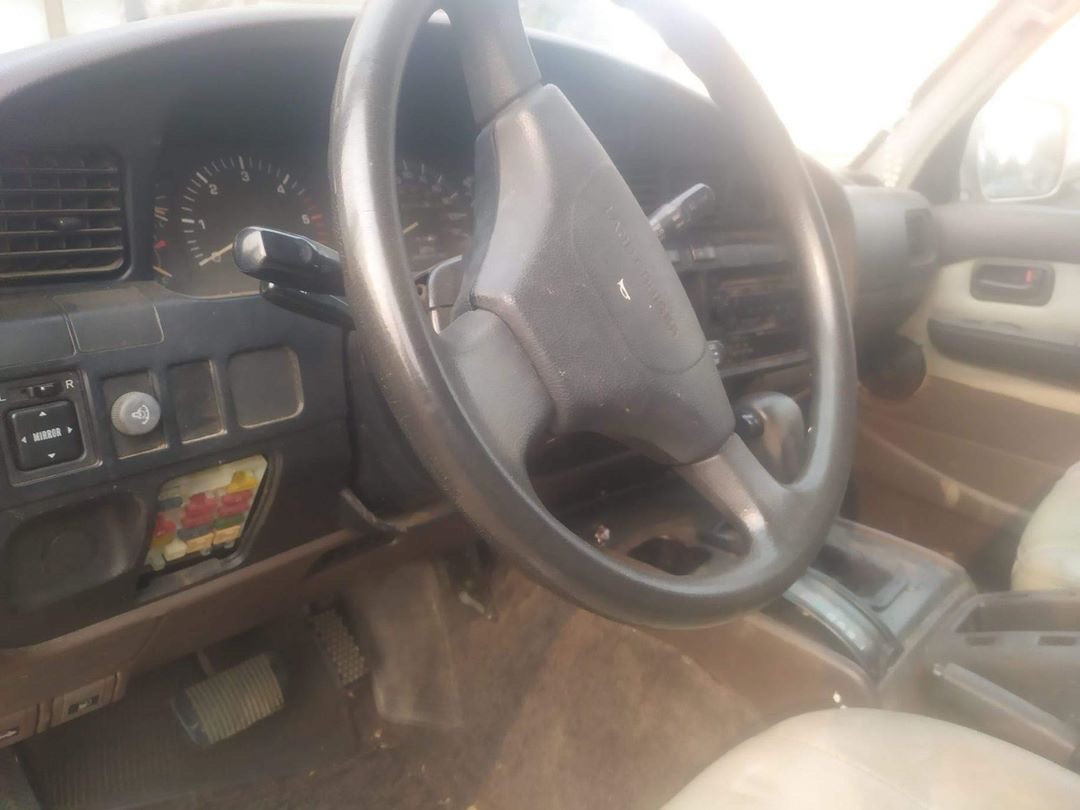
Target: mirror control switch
[45,435]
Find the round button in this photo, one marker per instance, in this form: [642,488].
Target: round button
[135,413]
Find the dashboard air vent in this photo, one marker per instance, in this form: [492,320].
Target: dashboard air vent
[61,214]
[922,245]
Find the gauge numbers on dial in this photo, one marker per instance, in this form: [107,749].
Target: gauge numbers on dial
[230,193]
[436,213]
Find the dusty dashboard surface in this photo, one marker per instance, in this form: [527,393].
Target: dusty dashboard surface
[163,423]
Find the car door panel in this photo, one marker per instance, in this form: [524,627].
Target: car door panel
[996,421]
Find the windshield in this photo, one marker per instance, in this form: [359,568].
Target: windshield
[838,71]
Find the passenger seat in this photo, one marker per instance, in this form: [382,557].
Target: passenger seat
[1049,554]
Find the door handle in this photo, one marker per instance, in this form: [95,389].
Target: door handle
[1026,284]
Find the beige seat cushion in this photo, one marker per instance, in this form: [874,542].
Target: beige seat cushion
[850,759]
[1049,554]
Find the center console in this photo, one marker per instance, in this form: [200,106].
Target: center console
[748,301]
[872,597]
[876,621]
[1009,664]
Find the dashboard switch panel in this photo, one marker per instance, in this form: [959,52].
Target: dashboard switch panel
[204,513]
[45,435]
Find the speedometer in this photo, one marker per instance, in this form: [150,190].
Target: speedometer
[222,197]
[436,213]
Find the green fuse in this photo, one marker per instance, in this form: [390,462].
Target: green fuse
[232,520]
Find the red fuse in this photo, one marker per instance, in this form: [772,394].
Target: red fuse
[237,498]
[190,521]
[163,526]
[200,507]
[235,509]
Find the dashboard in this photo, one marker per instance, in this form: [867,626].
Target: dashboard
[180,456]
[130,159]
[272,172]
[738,278]
[734,268]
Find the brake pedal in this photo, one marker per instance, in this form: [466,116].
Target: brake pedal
[338,646]
[233,700]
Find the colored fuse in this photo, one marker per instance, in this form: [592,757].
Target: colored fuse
[199,503]
[198,518]
[170,503]
[194,531]
[242,480]
[226,537]
[174,551]
[237,498]
[232,520]
[201,543]
[163,526]
[229,511]
[158,543]
[156,560]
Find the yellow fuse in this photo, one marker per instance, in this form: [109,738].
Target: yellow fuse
[156,560]
[242,480]
[158,543]
[200,543]
[224,536]
[174,550]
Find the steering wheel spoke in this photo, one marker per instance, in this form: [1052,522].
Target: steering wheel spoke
[498,389]
[495,54]
[765,512]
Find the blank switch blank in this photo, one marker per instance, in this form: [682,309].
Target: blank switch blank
[265,386]
[195,400]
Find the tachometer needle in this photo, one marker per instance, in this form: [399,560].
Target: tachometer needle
[410,228]
[217,254]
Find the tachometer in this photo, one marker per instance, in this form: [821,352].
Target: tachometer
[436,213]
[225,195]
[162,205]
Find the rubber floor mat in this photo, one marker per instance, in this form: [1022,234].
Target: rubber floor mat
[15,791]
[134,753]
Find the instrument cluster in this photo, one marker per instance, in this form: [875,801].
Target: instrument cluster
[203,198]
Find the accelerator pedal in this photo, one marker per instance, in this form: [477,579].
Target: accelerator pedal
[339,647]
[233,700]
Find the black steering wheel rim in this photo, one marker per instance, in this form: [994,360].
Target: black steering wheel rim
[473,441]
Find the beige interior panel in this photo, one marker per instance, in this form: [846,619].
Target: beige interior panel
[954,465]
[965,459]
[950,295]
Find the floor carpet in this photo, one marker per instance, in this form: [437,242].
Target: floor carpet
[559,709]
[537,706]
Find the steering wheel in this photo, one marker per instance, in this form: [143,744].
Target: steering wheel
[572,318]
